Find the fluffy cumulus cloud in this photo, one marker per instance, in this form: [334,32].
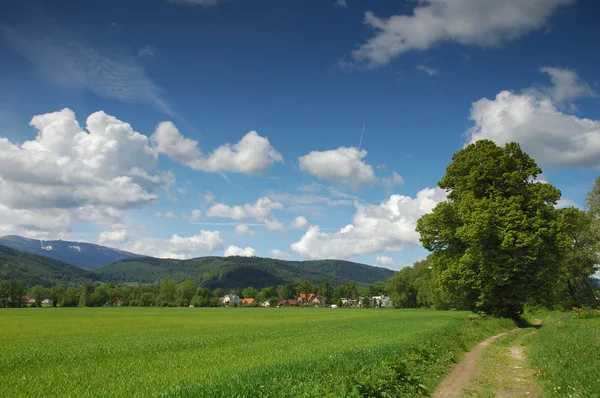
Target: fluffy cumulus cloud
[389,226]
[261,210]
[276,253]
[238,251]
[243,230]
[344,164]
[566,85]
[274,225]
[533,119]
[109,237]
[253,154]
[73,174]
[384,260]
[176,247]
[183,247]
[300,222]
[480,23]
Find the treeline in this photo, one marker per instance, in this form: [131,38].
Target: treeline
[169,293]
[499,243]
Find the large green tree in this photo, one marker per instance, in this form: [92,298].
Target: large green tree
[581,232]
[495,241]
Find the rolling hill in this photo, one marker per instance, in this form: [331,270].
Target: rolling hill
[239,272]
[39,270]
[83,255]
[212,272]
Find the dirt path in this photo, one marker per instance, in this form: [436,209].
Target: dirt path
[458,379]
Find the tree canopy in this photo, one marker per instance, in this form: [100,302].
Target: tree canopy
[496,240]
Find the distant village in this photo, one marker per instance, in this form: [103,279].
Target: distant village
[310,300]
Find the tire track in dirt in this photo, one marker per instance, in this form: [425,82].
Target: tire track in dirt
[459,377]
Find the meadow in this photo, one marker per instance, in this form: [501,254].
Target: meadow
[566,355]
[231,352]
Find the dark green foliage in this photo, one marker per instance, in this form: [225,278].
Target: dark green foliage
[581,232]
[416,287]
[11,293]
[240,272]
[38,270]
[496,241]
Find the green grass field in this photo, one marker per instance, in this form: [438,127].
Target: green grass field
[566,353]
[230,352]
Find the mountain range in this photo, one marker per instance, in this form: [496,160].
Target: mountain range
[80,254]
[212,272]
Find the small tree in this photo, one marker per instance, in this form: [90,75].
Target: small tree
[249,292]
[38,293]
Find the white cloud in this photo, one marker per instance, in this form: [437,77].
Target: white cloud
[274,225]
[118,236]
[532,119]
[146,51]
[243,230]
[300,222]
[564,202]
[237,251]
[72,61]
[343,165]
[429,71]
[208,197]
[196,214]
[181,191]
[72,174]
[206,241]
[340,3]
[482,23]
[276,253]
[387,227]
[395,179]
[170,214]
[253,154]
[566,85]
[176,247]
[261,210]
[384,260]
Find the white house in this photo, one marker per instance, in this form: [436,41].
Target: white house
[230,299]
[383,301]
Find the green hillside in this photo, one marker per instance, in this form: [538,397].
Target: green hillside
[239,272]
[211,272]
[39,270]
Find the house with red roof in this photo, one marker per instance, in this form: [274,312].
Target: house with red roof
[311,299]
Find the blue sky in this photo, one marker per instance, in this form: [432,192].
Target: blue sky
[131,125]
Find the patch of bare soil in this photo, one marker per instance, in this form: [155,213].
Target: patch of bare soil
[518,375]
[459,377]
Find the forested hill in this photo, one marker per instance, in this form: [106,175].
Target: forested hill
[211,272]
[84,255]
[39,270]
[240,272]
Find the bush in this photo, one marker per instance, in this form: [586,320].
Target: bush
[585,313]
